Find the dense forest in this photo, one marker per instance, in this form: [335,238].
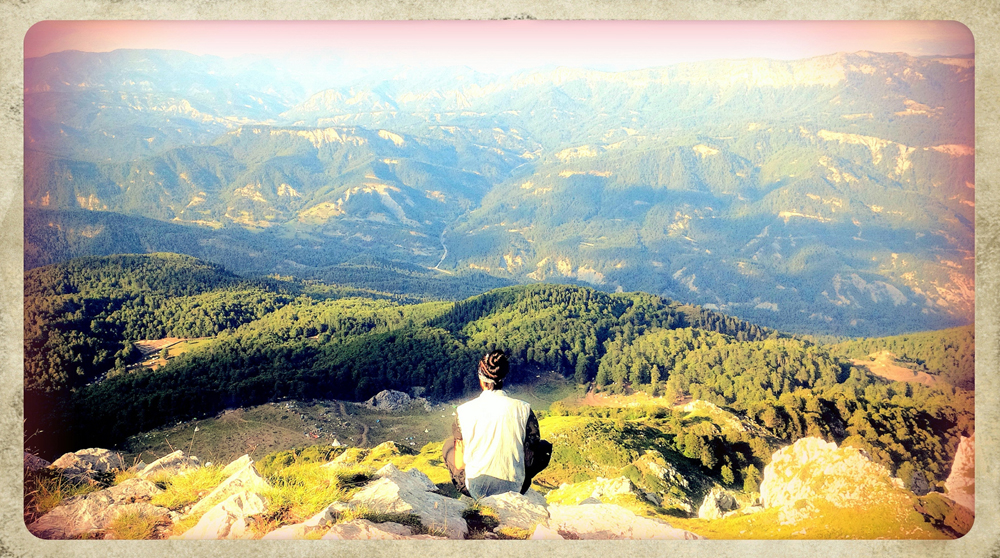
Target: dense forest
[275,338]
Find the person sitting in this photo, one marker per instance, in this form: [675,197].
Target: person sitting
[495,446]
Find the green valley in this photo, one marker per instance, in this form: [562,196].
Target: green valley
[274,340]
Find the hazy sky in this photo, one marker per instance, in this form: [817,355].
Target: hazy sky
[499,46]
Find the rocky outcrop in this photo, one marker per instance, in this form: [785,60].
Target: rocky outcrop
[229,519]
[670,489]
[242,478]
[961,482]
[364,529]
[83,465]
[390,400]
[172,463]
[605,522]
[232,508]
[93,512]
[299,530]
[811,469]
[718,502]
[517,510]
[412,492]
[34,463]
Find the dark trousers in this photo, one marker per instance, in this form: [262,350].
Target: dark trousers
[536,458]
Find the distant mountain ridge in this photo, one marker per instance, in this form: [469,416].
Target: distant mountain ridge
[834,194]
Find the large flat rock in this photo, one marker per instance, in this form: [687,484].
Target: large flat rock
[84,464]
[242,478]
[516,510]
[229,519]
[411,492]
[93,512]
[608,522]
[361,529]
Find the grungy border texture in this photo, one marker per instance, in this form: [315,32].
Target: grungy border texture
[16,16]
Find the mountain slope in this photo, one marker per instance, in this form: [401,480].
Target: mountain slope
[832,195]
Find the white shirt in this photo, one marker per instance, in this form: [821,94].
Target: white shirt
[493,428]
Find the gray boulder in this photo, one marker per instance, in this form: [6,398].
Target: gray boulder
[84,464]
[172,463]
[536,497]
[390,400]
[607,522]
[242,478]
[516,510]
[364,529]
[93,512]
[229,519]
[717,502]
[412,492]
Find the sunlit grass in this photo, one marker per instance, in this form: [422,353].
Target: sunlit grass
[130,525]
[886,521]
[300,491]
[184,489]
[45,489]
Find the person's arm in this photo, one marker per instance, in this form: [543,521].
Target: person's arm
[531,432]
[456,432]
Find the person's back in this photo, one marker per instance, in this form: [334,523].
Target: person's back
[493,430]
[495,445]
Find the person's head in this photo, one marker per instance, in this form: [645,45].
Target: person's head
[493,369]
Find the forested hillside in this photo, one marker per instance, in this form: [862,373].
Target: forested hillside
[276,339]
[948,355]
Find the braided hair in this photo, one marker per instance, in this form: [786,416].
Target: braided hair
[493,368]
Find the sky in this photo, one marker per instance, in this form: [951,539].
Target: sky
[502,46]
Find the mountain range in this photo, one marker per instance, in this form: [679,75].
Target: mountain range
[831,195]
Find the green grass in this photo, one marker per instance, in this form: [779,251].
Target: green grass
[45,489]
[898,520]
[429,462]
[300,491]
[122,476]
[134,526]
[541,393]
[185,489]
[188,346]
